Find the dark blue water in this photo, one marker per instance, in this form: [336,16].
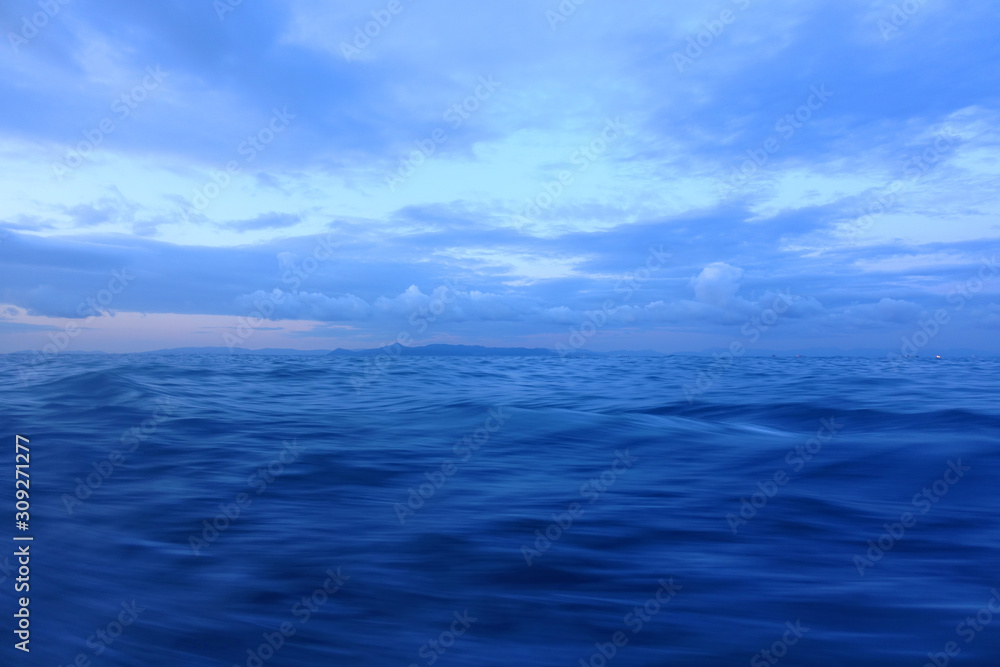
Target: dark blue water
[834,450]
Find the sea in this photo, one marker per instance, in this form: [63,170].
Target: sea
[194,510]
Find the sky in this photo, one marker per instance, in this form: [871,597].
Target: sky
[577,175]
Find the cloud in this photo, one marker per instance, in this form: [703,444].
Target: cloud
[717,283]
[898,311]
[264,221]
[306,306]
[307,210]
[989,317]
[23,327]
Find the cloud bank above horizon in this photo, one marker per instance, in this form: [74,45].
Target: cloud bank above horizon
[290,174]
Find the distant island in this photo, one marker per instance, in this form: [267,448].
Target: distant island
[434,350]
[446,350]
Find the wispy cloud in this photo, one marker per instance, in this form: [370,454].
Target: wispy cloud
[790,152]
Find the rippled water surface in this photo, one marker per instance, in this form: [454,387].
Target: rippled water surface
[415,501]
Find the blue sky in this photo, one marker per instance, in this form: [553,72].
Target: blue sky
[500,173]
